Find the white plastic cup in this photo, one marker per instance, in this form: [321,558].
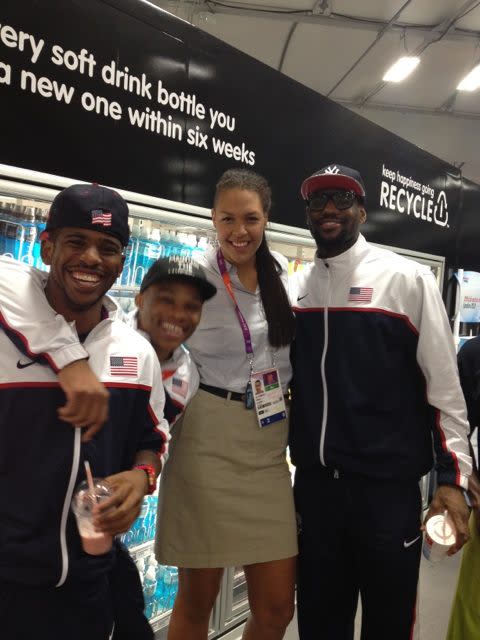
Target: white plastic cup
[94,542]
[439,537]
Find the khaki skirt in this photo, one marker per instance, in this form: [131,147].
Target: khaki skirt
[225,493]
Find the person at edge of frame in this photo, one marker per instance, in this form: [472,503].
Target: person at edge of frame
[43,568]
[375,380]
[464,618]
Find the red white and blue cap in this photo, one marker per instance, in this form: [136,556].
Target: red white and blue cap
[90,206]
[335,176]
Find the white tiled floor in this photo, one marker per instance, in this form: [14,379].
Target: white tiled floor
[437,587]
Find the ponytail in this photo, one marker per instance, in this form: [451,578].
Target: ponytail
[278,312]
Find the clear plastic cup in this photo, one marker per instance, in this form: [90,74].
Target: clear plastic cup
[84,506]
[439,537]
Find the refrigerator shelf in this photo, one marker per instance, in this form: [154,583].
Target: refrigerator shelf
[142,550]
[160,620]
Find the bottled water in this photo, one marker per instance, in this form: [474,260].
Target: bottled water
[40,223]
[140,523]
[137,269]
[200,248]
[26,235]
[152,518]
[149,588]
[137,534]
[160,591]
[171,586]
[149,250]
[8,230]
[126,277]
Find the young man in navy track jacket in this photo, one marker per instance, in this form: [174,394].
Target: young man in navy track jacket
[169,307]
[49,587]
[375,383]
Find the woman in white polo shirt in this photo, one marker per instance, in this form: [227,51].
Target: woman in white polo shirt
[226,497]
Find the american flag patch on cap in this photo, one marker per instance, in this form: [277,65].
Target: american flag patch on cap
[102,217]
[123,365]
[360,294]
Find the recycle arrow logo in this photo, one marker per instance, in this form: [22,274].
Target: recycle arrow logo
[440,214]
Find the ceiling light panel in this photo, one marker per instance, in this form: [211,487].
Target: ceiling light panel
[401,69]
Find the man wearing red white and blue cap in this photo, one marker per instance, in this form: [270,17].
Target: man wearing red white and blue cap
[334,176]
[375,386]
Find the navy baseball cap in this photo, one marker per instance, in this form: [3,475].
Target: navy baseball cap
[90,206]
[335,176]
[179,268]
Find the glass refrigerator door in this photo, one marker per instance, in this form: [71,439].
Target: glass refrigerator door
[233,601]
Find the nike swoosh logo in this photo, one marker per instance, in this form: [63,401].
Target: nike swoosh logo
[302,297]
[409,544]
[24,365]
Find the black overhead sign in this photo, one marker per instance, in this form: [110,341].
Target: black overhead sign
[121,93]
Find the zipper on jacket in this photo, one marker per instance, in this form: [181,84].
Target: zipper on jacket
[66,505]
[322,368]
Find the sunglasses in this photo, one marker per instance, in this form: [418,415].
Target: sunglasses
[341,199]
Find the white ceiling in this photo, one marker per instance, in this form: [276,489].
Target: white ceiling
[341,48]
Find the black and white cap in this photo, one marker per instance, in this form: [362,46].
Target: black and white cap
[335,176]
[179,268]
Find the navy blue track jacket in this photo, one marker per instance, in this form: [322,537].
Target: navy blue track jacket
[375,373]
[41,458]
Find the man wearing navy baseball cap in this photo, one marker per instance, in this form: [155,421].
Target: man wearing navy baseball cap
[168,310]
[376,398]
[68,586]
[81,217]
[90,206]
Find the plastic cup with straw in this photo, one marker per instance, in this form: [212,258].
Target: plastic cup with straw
[87,496]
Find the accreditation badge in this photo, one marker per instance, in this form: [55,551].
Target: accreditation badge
[268,397]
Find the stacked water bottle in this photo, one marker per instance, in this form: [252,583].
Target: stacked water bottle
[160,583]
[160,586]
[148,243]
[20,229]
[143,529]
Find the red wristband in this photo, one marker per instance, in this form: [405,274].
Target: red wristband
[151,475]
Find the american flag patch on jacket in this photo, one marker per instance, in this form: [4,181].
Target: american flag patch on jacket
[179,386]
[123,366]
[360,294]
[102,217]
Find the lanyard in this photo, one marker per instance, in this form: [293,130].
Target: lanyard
[243,323]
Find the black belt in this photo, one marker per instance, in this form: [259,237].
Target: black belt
[223,393]
[231,395]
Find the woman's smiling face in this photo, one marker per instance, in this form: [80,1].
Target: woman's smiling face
[240,221]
